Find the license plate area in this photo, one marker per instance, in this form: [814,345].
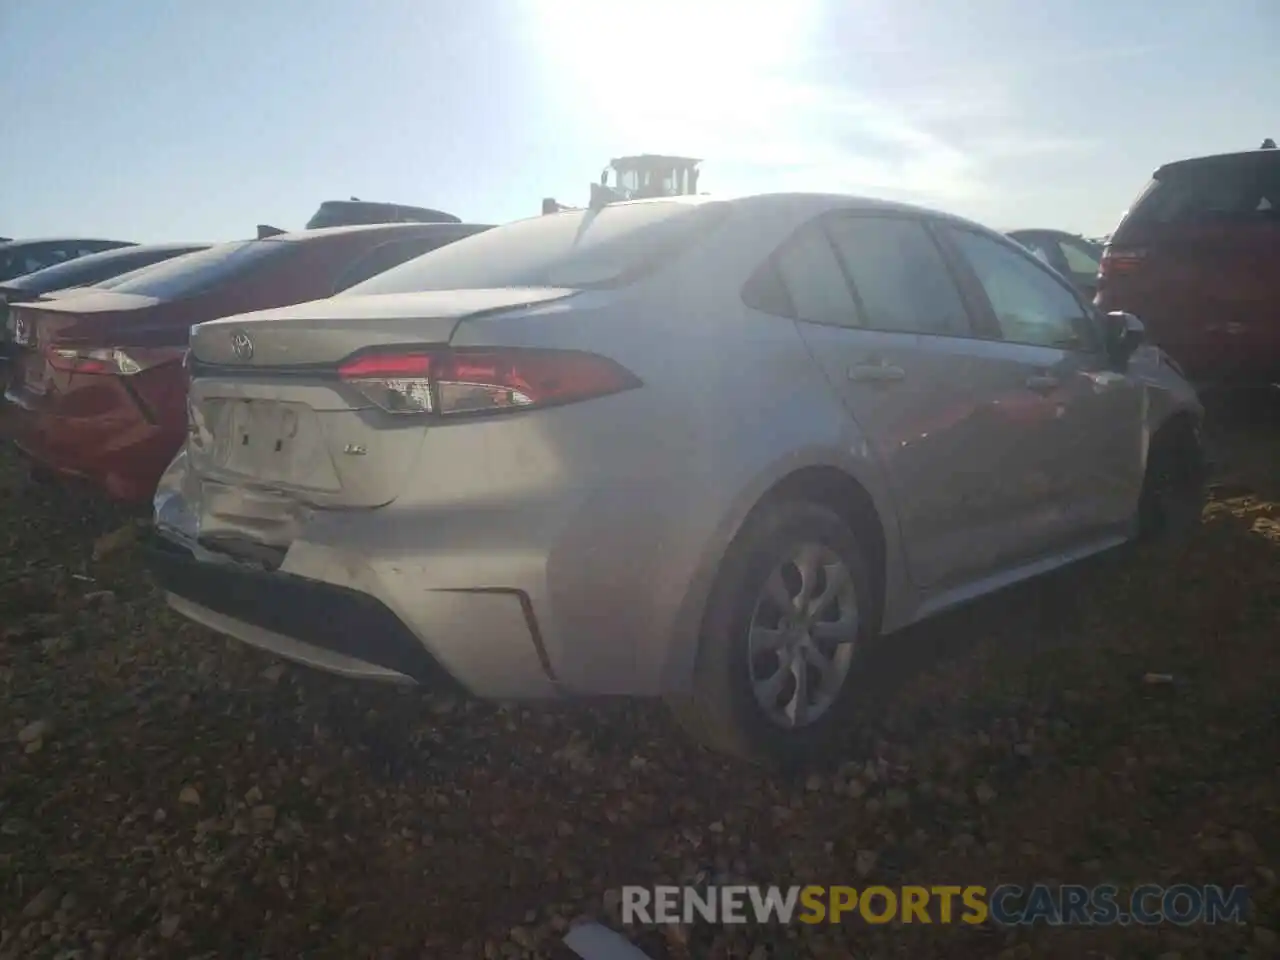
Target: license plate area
[273,442]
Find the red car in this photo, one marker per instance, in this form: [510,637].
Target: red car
[1197,258]
[98,389]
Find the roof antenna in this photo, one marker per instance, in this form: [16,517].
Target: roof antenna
[1268,144]
[355,200]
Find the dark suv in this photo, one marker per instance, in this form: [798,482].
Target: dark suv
[1197,258]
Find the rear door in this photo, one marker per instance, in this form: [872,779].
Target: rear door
[1198,259]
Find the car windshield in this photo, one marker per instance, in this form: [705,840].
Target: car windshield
[197,272]
[582,248]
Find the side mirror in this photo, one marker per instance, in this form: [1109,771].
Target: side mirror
[1125,333]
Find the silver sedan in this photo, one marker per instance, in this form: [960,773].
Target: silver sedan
[705,450]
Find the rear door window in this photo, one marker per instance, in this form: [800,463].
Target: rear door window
[899,275]
[816,288]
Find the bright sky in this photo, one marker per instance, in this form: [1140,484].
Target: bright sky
[154,120]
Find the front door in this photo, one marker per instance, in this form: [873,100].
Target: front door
[1093,440]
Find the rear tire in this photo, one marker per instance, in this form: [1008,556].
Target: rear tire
[1173,490]
[789,616]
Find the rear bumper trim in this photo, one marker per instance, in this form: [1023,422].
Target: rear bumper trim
[342,621]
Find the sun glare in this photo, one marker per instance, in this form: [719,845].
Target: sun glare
[665,75]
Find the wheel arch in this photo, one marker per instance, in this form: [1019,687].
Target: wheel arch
[1176,419]
[852,488]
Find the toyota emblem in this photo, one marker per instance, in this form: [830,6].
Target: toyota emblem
[241,345]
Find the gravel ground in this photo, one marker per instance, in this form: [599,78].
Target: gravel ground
[164,792]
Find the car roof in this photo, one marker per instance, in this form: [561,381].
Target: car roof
[416,229]
[1221,159]
[813,204]
[379,204]
[35,240]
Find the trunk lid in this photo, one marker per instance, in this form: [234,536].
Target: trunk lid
[87,320]
[268,417]
[326,331]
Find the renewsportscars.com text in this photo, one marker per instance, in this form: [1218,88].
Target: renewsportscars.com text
[1006,905]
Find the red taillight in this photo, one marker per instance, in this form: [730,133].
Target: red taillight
[375,365]
[481,380]
[112,361]
[1120,261]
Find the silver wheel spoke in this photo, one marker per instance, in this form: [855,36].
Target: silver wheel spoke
[763,639]
[768,689]
[797,709]
[837,581]
[825,666]
[807,561]
[844,630]
[777,591]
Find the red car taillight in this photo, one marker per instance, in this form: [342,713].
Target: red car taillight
[449,381]
[111,361]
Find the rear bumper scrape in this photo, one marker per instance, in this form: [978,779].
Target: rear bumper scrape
[349,623]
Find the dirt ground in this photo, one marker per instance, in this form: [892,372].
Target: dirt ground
[166,793]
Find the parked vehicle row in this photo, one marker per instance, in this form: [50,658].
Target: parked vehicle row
[92,270]
[97,390]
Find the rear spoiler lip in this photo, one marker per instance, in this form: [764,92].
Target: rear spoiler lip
[327,369]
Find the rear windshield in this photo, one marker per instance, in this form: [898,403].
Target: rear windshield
[198,272]
[337,214]
[578,249]
[94,268]
[1240,189]
[345,213]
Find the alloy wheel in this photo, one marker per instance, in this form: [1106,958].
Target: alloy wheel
[802,634]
